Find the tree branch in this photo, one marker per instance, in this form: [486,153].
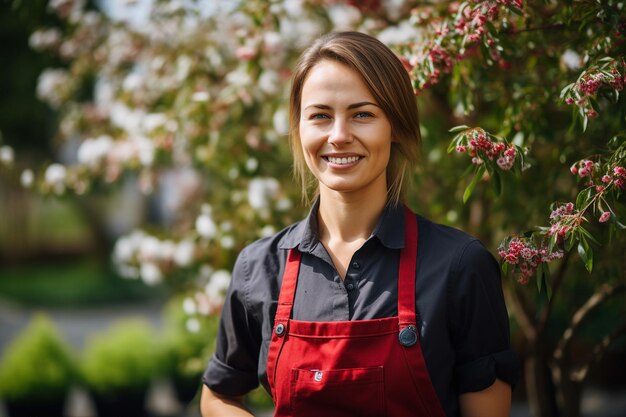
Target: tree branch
[556,285]
[605,292]
[599,350]
[521,310]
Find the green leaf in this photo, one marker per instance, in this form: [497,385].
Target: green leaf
[588,235]
[505,268]
[586,254]
[470,188]
[548,281]
[565,90]
[458,128]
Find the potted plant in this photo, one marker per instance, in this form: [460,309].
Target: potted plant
[188,342]
[36,371]
[118,367]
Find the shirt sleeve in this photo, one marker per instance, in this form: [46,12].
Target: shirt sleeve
[233,368]
[479,322]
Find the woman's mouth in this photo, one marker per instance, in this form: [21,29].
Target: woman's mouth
[342,160]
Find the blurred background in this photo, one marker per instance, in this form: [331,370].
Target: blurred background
[143,144]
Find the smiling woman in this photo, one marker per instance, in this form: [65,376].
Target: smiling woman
[379,311]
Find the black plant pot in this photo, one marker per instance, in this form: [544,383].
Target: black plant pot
[120,403]
[39,408]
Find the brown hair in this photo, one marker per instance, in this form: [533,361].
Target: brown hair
[389,83]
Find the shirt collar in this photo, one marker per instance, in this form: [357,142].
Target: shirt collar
[389,230]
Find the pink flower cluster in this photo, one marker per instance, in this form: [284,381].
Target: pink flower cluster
[593,80]
[618,177]
[480,146]
[525,257]
[562,219]
[582,168]
[615,176]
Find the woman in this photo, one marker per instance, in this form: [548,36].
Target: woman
[363,308]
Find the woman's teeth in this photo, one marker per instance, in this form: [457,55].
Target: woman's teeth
[342,161]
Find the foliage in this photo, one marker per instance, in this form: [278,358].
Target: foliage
[124,358]
[37,365]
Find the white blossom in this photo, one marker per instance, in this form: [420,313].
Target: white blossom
[269,82]
[145,150]
[184,253]
[43,39]
[217,286]
[55,177]
[344,16]
[267,231]
[261,191]
[252,164]
[571,59]
[193,325]
[273,43]
[6,155]
[149,248]
[189,306]
[281,121]
[92,152]
[27,178]
[205,226]
[151,273]
[153,121]
[50,85]
[124,250]
[200,96]
[227,242]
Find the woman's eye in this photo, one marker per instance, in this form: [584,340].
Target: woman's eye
[317,116]
[363,114]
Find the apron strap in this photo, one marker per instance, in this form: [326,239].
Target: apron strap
[406,279]
[288,287]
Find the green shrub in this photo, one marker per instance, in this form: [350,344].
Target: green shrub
[124,358]
[187,352]
[37,365]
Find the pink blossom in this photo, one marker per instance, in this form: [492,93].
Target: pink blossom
[619,171]
[461,148]
[605,217]
[573,169]
[606,179]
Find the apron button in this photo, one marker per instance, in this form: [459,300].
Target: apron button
[408,336]
[280,329]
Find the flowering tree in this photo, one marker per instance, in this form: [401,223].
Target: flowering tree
[191,103]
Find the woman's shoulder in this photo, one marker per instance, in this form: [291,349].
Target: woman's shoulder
[447,241]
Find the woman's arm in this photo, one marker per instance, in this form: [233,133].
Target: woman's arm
[494,401]
[213,404]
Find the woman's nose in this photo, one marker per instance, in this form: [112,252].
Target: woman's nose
[340,132]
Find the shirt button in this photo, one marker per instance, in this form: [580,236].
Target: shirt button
[350,286]
[356,265]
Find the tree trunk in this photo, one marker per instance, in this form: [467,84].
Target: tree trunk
[539,384]
[569,397]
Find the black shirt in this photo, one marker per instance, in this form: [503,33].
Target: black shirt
[461,312]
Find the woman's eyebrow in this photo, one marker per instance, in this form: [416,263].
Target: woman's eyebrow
[350,107]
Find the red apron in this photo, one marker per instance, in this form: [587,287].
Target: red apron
[351,368]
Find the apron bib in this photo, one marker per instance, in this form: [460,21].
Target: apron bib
[351,368]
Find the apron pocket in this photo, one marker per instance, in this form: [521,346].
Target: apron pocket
[338,392]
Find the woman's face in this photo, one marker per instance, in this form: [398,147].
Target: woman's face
[345,135]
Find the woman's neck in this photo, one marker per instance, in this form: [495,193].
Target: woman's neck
[348,218]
